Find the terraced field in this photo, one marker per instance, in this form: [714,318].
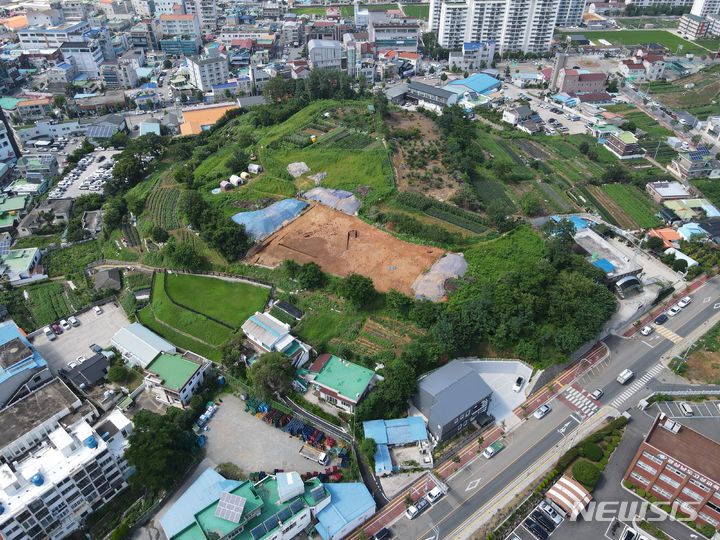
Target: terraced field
[612,208]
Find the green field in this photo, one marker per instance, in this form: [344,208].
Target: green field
[639,22]
[419,11]
[48,303]
[636,204]
[672,42]
[312,10]
[348,11]
[231,302]
[710,44]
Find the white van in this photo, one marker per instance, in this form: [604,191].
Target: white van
[625,376]
[686,409]
[49,333]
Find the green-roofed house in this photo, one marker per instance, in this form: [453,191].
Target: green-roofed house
[339,382]
[174,378]
[21,266]
[12,208]
[624,145]
[278,507]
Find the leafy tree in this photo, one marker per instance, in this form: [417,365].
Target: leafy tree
[119,139]
[122,532]
[612,86]
[679,265]
[443,77]
[499,215]
[584,147]
[291,268]
[230,353]
[310,276]
[159,234]
[184,255]
[239,160]
[368,447]
[271,375]
[160,450]
[398,303]
[195,208]
[591,451]
[167,64]
[184,175]
[357,289]
[630,126]
[654,243]
[531,204]
[586,473]
[118,374]
[114,214]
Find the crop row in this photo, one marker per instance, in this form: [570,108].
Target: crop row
[446,212]
[47,303]
[162,206]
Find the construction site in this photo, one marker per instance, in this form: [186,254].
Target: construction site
[341,245]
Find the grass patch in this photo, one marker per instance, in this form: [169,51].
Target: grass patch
[709,188]
[147,318]
[48,303]
[61,262]
[419,11]
[231,302]
[310,10]
[635,203]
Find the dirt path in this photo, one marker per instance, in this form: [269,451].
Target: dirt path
[623,220]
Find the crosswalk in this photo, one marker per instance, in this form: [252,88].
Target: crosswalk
[580,401]
[668,334]
[637,385]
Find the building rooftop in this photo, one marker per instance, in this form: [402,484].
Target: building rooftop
[197,120]
[346,378]
[174,370]
[87,373]
[479,82]
[143,344]
[669,189]
[348,501]
[604,255]
[399,431]
[12,352]
[34,409]
[687,446]
[266,328]
[19,260]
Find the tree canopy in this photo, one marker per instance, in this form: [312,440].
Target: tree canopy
[271,374]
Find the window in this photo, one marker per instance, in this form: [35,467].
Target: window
[699,484]
[669,481]
[645,467]
[711,520]
[675,471]
[693,495]
[661,491]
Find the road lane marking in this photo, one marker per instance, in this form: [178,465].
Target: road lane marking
[668,334]
[707,299]
[474,484]
[637,385]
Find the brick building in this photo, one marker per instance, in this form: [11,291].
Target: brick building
[676,464]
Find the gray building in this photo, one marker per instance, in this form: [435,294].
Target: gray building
[452,397]
[324,54]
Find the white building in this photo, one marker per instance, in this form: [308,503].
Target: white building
[140,346]
[206,11]
[62,468]
[475,55]
[181,25]
[397,34]
[269,334]
[703,8]
[86,55]
[52,37]
[173,379]
[570,12]
[324,54]
[6,148]
[514,25]
[207,71]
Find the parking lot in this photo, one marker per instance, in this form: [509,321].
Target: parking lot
[705,409]
[239,437]
[512,92]
[89,176]
[98,329]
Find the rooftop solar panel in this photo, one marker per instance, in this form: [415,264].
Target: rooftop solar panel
[270,523]
[318,493]
[296,506]
[258,532]
[230,507]
[284,514]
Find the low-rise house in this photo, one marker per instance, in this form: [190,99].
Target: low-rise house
[602,254]
[451,398]
[38,167]
[30,110]
[269,334]
[711,227]
[578,81]
[516,115]
[630,69]
[21,266]
[48,212]
[92,222]
[87,373]
[12,209]
[108,280]
[670,237]
[526,80]
[692,209]
[399,434]
[624,145]
[679,255]
[667,191]
[697,164]
[22,368]
[351,505]
[339,382]
[140,346]
[173,379]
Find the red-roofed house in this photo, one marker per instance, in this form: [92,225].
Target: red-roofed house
[573,81]
[630,69]
[670,237]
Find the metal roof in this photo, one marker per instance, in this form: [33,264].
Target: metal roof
[348,501]
[143,344]
[399,431]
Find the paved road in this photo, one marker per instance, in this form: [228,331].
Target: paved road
[474,485]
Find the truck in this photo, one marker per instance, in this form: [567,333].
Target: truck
[625,376]
[313,454]
[493,449]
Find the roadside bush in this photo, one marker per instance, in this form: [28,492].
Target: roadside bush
[121,533]
[591,451]
[586,473]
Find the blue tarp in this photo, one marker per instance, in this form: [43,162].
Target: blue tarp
[604,265]
[262,223]
[579,222]
[479,82]
[383,463]
[399,431]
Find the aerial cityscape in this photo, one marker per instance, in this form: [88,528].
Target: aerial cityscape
[294,269]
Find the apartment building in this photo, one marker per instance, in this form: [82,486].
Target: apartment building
[7,143]
[672,465]
[324,54]
[693,26]
[624,145]
[514,25]
[177,24]
[30,110]
[704,8]
[207,71]
[67,469]
[570,12]
[52,37]
[206,11]
[86,55]
[398,34]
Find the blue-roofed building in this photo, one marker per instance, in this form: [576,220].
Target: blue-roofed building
[383,461]
[691,231]
[577,221]
[22,368]
[278,507]
[350,506]
[150,127]
[401,432]
[479,82]
[139,346]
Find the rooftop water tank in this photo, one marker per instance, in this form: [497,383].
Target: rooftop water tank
[91,442]
[37,479]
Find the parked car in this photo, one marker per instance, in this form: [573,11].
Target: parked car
[49,333]
[73,320]
[56,328]
[95,348]
[98,310]
[536,529]
[647,330]
[65,325]
[518,384]
[597,394]
[674,310]
[542,411]
[551,512]
[416,509]
[684,302]
[382,534]
[661,319]
[434,495]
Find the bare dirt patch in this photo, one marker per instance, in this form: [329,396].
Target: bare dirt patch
[343,244]
[703,367]
[533,150]
[418,162]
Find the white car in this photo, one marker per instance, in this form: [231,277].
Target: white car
[65,325]
[98,310]
[684,302]
[674,311]
[434,495]
[542,411]
[518,384]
